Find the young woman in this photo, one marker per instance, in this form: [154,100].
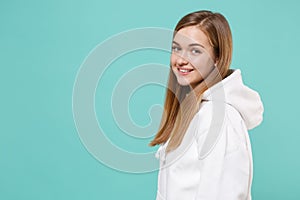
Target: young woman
[205,151]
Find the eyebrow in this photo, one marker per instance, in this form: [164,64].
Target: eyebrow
[193,44]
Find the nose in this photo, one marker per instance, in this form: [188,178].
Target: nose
[181,60]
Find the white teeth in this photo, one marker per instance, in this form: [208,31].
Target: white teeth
[185,70]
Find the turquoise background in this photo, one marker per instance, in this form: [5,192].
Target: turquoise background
[42,45]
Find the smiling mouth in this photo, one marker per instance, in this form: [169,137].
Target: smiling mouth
[184,71]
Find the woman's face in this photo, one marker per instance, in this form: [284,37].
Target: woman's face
[192,56]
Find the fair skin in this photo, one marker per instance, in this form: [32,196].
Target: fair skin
[192,57]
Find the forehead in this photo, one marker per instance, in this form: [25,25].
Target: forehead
[191,34]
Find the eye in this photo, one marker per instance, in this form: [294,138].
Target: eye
[175,48]
[196,51]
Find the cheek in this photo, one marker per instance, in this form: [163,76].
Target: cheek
[173,59]
[197,63]
[203,64]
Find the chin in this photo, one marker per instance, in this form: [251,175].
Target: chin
[188,83]
[183,82]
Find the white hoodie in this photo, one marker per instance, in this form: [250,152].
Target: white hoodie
[214,160]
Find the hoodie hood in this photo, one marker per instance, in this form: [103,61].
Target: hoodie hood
[244,99]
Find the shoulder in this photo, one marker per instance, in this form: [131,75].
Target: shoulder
[213,114]
[218,125]
[217,114]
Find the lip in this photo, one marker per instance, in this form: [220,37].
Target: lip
[184,73]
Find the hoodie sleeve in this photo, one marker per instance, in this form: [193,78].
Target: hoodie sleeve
[226,171]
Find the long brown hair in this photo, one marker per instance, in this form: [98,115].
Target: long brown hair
[180,108]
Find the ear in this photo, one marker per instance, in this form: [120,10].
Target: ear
[216,62]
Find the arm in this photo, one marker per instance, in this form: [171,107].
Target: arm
[226,171]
